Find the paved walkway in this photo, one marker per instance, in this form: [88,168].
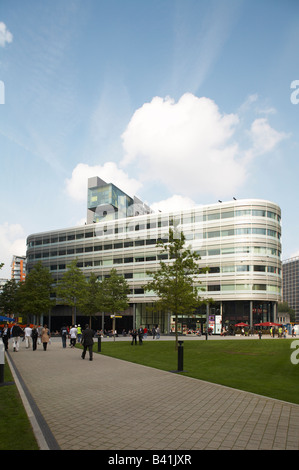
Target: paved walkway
[110,404]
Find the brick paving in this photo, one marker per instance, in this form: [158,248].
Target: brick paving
[110,404]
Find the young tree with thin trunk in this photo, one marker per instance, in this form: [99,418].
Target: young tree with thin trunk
[176,283]
[114,295]
[34,294]
[71,287]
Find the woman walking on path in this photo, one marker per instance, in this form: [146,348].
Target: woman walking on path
[45,337]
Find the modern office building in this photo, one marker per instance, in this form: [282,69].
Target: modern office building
[238,240]
[290,280]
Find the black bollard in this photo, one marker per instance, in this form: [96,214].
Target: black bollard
[2,361]
[99,344]
[180,356]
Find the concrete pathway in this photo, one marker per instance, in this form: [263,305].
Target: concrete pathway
[110,404]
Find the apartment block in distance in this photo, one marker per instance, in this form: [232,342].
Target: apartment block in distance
[290,279]
[18,268]
[239,240]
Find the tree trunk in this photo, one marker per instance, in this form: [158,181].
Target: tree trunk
[176,332]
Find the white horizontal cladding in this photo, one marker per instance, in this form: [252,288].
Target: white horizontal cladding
[224,234]
[239,295]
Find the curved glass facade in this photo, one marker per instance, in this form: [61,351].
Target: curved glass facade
[240,242]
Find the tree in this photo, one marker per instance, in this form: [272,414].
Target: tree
[35,292]
[9,297]
[114,295]
[71,287]
[283,307]
[92,301]
[174,282]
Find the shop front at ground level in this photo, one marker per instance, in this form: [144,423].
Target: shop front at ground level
[220,316]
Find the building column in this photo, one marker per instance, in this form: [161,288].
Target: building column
[251,315]
[274,312]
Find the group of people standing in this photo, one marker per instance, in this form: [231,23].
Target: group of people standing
[32,335]
[142,333]
[73,333]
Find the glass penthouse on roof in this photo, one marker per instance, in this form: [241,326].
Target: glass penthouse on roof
[238,240]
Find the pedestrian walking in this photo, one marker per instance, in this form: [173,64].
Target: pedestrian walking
[6,336]
[73,335]
[63,332]
[134,336]
[39,331]
[293,332]
[16,332]
[34,336]
[158,332]
[79,333]
[140,335]
[154,332]
[260,333]
[45,337]
[87,342]
[28,332]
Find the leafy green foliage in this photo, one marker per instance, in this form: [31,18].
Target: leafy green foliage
[34,295]
[177,282]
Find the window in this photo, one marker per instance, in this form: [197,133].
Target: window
[227,233]
[214,269]
[118,245]
[214,234]
[258,213]
[214,288]
[228,269]
[259,268]
[227,215]
[243,268]
[214,216]
[259,287]
[259,231]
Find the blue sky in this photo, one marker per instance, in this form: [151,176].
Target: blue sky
[180,102]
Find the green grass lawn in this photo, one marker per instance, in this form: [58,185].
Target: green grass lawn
[15,429]
[259,366]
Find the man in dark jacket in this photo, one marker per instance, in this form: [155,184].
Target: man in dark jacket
[87,341]
[16,331]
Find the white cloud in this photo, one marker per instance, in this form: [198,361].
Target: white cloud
[76,186]
[264,137]
[173,203]
[5,35]
[192,148]
[186,146]
[12,242]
